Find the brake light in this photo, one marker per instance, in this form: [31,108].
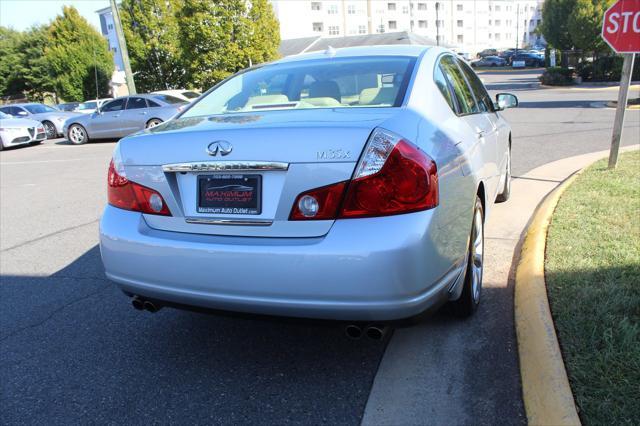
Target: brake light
[393,176]
[124,194]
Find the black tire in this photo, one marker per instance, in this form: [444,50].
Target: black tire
[469,300]
[77,134]
[50,129]
[152,123]
[506,189]
[493,64]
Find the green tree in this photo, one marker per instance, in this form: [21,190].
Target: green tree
[222,37]
[555,18]
[35,69]
[151,31]
[11,81]
[76,55]
[585,25]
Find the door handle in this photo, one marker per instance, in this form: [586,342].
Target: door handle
[143,113]
[480,133]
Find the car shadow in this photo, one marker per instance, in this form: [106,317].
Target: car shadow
[92,141]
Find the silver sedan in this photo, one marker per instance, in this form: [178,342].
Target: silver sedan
[347,185]
[122,116]
[51,118]
[19,131]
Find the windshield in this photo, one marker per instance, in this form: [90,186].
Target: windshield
[87,105]
[39,108]
[326,83]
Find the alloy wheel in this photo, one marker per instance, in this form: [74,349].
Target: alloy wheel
[477,252]
[49,129]
[77,135]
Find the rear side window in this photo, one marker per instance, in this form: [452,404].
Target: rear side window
[153,104]
[441,82]
[136,103]
[461,89]
[484,100]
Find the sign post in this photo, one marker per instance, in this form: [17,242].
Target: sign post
[621,30]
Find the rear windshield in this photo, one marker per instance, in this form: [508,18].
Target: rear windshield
[169,99]
[326,83]
[190,95]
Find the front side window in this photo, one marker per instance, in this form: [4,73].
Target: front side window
[325,83]
[115,105]
[38,108]
[462,91]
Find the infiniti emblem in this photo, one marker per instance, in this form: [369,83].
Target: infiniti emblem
[219,147]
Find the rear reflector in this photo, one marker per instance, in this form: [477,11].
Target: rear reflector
[392,177]
[124,194]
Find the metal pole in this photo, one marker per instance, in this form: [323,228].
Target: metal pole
[95,70]
[517,27]
[437,24]
[623,94]
[123,48]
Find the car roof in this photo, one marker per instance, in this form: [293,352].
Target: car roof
[25,104]
[412,50]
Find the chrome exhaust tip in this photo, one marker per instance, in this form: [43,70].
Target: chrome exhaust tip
[150,306]
[353,331]
[137,303]
[375,332]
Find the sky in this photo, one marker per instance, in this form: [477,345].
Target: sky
[21,14]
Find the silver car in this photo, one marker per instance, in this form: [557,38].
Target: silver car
[51,118]
[122,116]
[349,185]
[19,131]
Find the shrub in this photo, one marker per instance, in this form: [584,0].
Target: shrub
[557,76]
[607,68]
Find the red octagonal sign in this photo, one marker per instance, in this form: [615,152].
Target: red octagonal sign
[621,28]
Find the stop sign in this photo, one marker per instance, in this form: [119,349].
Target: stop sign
[621,28]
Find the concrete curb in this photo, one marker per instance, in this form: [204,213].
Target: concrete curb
[546,391]
[612,104]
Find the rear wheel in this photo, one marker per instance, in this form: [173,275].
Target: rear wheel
[469,300]
[153,123]
[506,189]
[49,129]
[78,135]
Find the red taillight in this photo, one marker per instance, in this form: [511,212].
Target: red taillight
[393,176]
[318,204]
[124,194]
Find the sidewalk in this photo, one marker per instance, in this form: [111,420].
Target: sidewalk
[447,371]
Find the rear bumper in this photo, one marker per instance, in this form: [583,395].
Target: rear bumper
[355,272]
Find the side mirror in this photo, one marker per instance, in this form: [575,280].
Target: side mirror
[506,100]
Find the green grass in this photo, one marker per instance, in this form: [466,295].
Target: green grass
[592,271]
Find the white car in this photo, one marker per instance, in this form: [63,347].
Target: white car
[185,95]
[89,107]
[19,131]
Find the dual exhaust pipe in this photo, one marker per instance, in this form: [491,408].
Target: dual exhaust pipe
[144,305]
[373,332]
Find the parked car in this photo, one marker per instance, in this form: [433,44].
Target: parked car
[529,59]
[69,106]
[185,95]
[488,52]
[51,118]
[122,116]
[19,131]
[368,174]
[89,107]
[489,61]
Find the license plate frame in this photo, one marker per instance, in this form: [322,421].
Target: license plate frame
[229,194]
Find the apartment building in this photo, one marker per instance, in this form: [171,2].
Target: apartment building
[109,32]
[469,25]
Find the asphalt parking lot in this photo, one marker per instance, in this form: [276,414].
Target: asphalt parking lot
[72,350]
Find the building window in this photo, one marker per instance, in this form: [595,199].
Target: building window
[490,22]
[422,24]
[393,25]
[351,9]
[460,39]
[318,27]
[333,9]
[490,36]
[459,8]
[460,23]
[380,28]
[334,30]
[497,37]
[362,29]
[391,6]
[114,49]
[422,6]
[110,26]
[538,22]
[439,23]
[498,22]
[405,9]
[316,5]
[497,8]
